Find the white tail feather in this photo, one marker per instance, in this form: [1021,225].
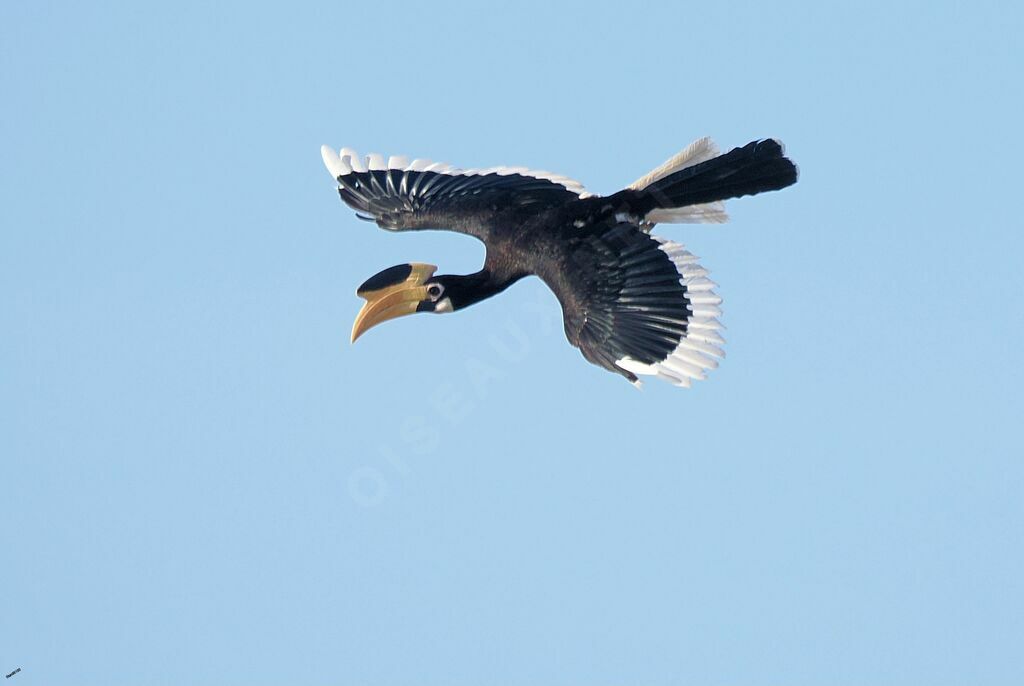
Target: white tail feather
[701,150]
[708,213]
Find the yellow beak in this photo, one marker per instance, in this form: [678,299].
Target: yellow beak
[390,297]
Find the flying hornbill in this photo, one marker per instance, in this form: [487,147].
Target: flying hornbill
[633,303]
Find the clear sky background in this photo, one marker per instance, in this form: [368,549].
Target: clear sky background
[202,482]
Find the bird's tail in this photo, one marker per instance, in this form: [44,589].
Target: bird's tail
[691,186]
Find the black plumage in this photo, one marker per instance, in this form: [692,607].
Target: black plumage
[626,295]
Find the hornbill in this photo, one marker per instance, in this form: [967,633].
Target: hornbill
[633,303]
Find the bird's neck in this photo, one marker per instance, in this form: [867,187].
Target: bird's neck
[469,289]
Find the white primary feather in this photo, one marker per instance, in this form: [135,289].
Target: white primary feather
[700,283]
[704,336]
[705,323]
[351,157]
[703,299]
[333,163]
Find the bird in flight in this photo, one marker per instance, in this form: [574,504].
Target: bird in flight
[633,303]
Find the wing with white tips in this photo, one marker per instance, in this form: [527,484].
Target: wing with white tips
[400,194]
[640,306]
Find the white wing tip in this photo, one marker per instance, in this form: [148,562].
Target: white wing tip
[347,160]
[333,163]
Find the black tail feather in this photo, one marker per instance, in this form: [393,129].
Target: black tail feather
[757,167]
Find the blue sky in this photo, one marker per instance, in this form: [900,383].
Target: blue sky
[203,482]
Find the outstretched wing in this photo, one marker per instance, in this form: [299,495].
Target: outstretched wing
[638,305]
[399,194]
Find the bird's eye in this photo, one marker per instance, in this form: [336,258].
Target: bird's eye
[434,290]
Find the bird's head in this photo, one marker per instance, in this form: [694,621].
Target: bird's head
[400,290]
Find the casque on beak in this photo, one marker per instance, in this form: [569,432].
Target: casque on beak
[394,292]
